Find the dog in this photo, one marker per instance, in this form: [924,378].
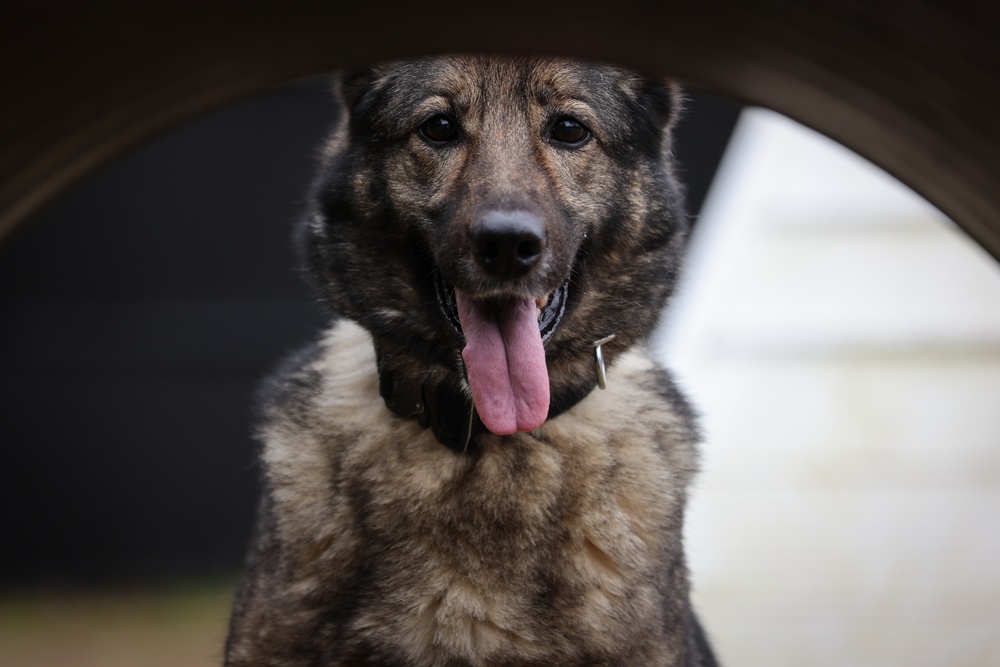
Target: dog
[478,463]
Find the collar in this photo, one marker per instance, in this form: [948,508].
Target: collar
[445,409]
[450,412]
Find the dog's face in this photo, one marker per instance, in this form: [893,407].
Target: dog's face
[515,209]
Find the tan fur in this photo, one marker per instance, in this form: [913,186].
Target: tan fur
[591,468]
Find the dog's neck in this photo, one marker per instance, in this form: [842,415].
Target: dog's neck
[447,409]
[442,407]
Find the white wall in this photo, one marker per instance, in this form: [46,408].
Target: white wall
[842,340]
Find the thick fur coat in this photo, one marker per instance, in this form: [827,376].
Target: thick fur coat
[401,527]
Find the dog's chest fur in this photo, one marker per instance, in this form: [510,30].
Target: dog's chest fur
[556,547]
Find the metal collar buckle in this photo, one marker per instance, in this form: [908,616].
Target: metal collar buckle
[602,377]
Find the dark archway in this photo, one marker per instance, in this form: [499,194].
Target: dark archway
[908,85]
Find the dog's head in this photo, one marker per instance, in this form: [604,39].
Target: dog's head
[514,209]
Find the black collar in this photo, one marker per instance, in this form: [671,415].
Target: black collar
[449,413]
[448,410]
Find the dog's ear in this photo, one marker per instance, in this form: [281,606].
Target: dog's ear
[350,86]
[656,105]
[355,88]
[665,99]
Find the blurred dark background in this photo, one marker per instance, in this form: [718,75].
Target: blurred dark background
[137,314]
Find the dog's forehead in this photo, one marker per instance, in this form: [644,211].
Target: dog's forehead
[471,82]
[555,80]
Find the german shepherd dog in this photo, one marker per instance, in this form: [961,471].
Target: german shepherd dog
[445,483]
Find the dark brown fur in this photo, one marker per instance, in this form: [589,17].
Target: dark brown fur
[378,545]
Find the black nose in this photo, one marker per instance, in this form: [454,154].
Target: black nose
[506,244]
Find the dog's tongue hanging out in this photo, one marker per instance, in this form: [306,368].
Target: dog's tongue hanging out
[505,361]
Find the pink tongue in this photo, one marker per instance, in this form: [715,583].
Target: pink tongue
[506,363]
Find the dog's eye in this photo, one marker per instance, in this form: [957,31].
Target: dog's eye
[569,131]
[439,129]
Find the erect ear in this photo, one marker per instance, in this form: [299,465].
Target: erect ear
[350,86]
[657,107]
[665,98]
[356,88]
[677,100]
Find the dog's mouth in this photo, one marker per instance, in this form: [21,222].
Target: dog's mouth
[549,308]
[504,352]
